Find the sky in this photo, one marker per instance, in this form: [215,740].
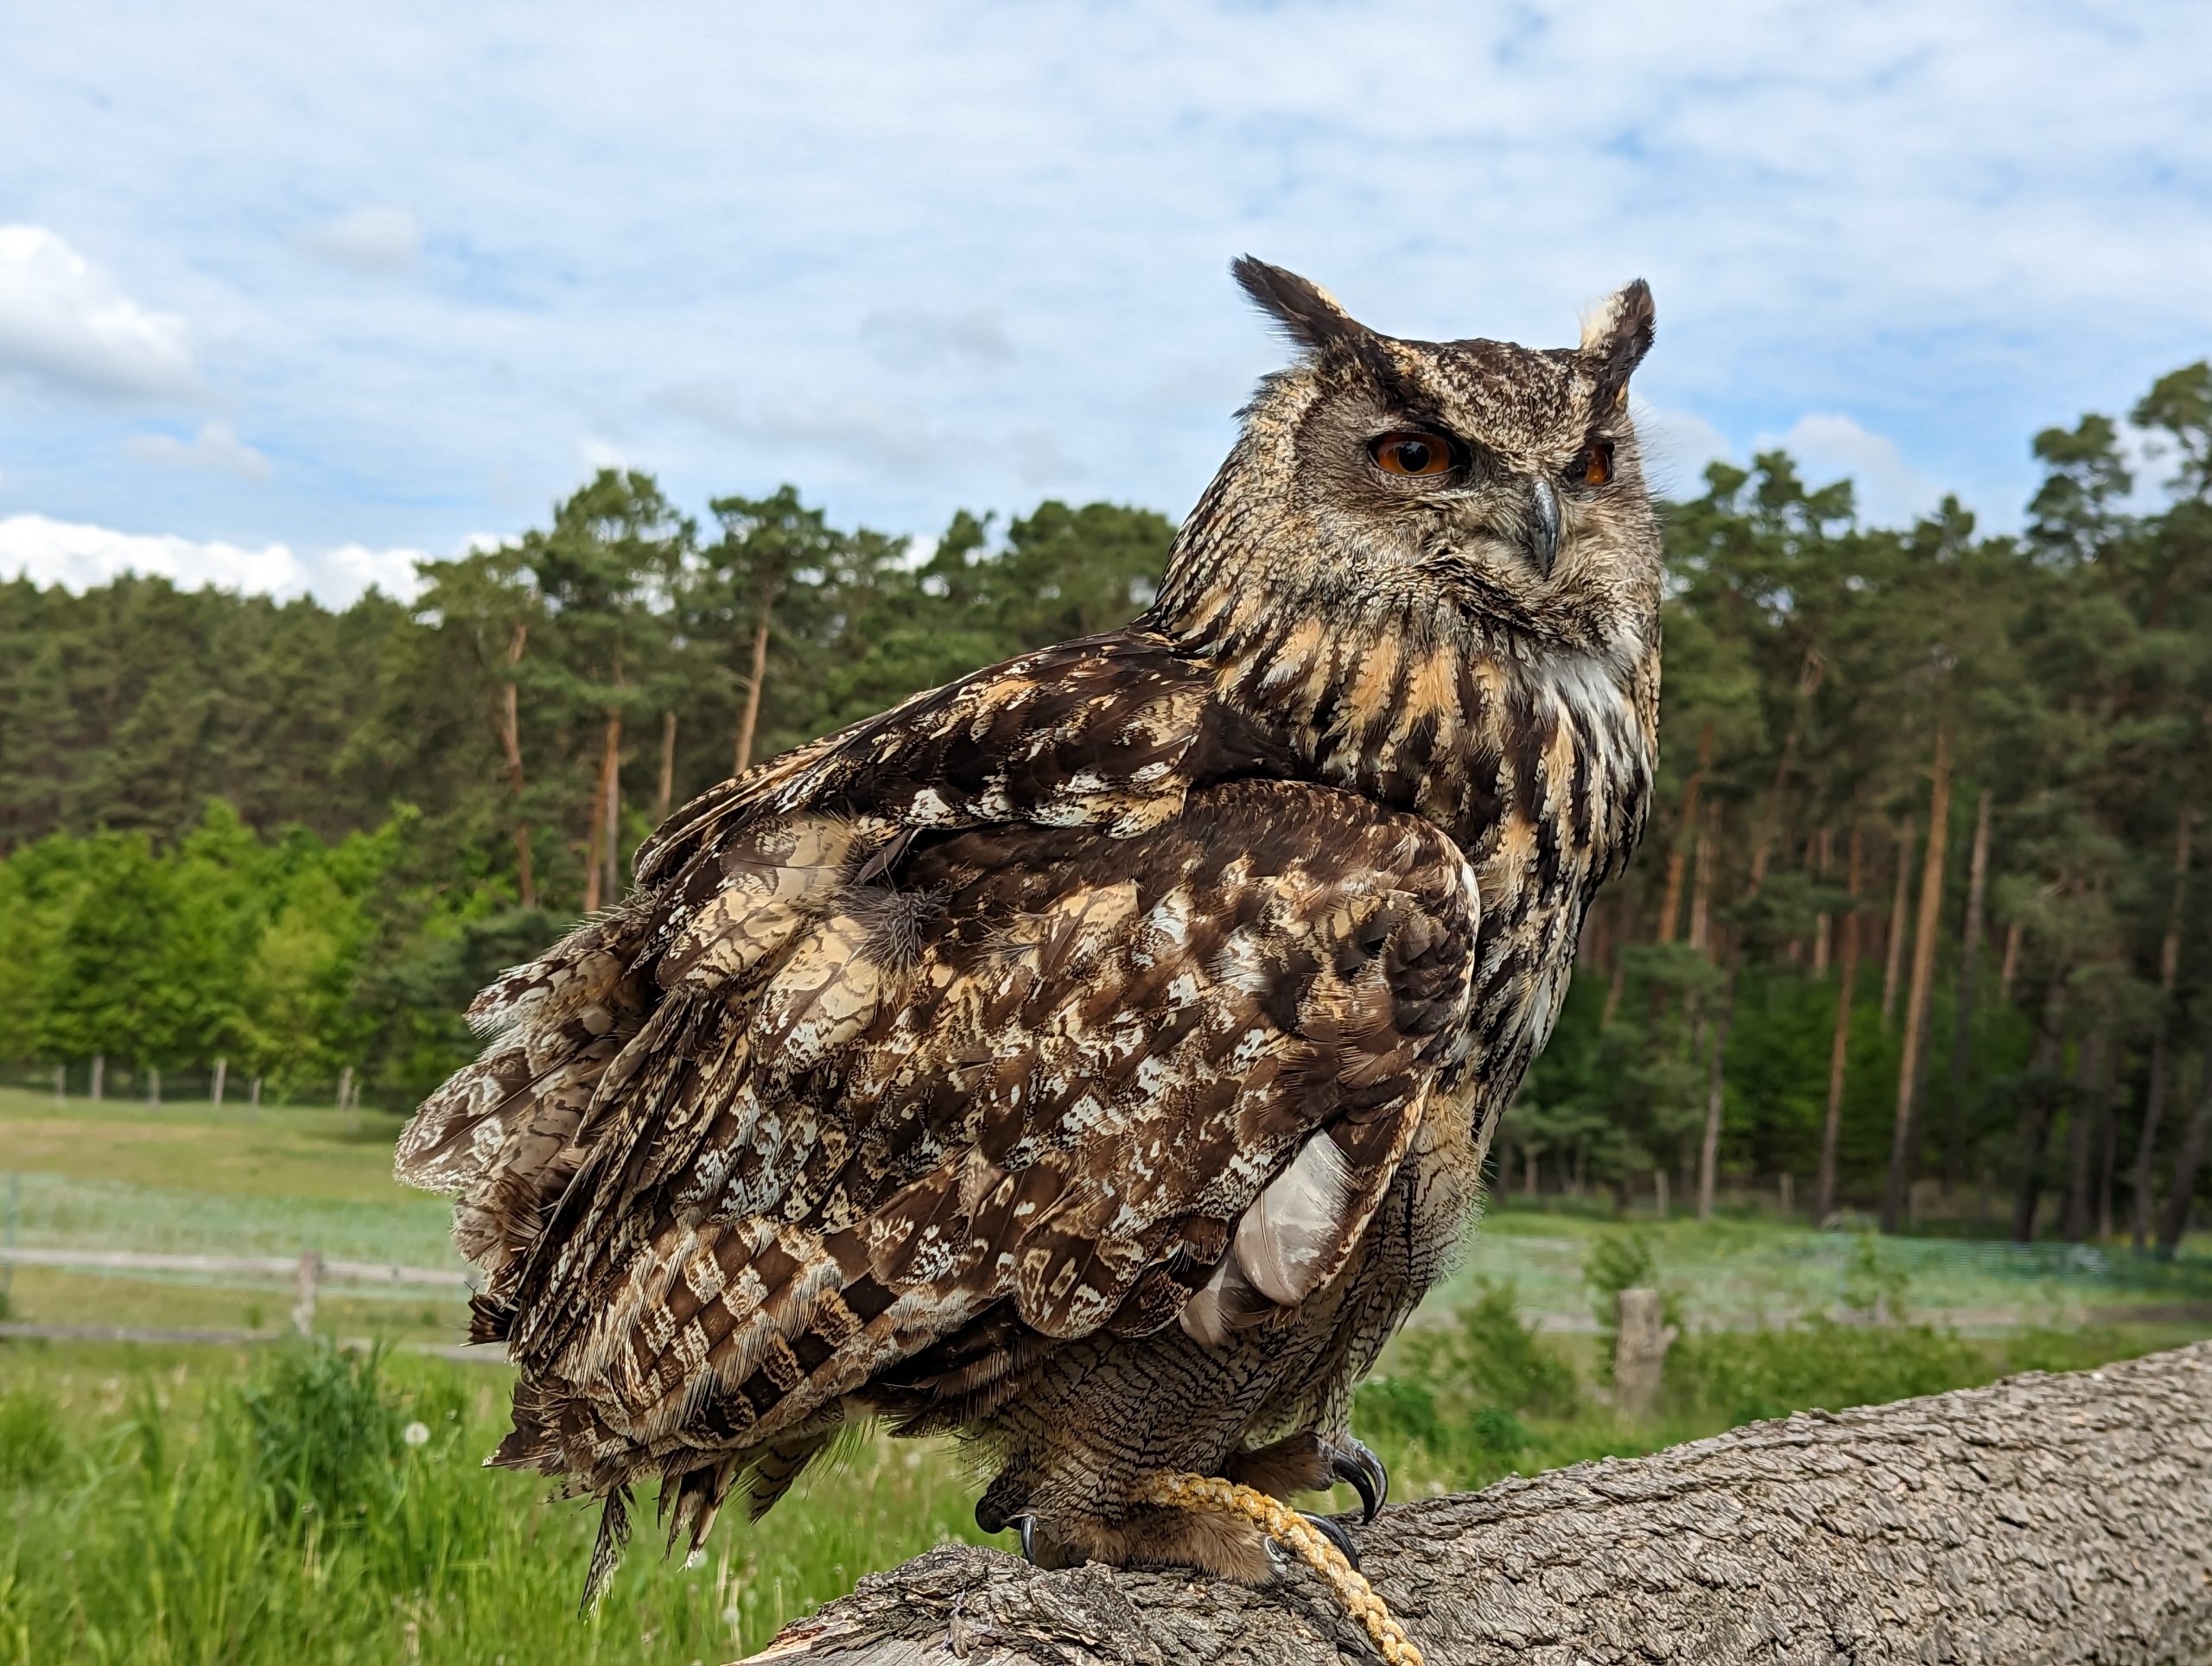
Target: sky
[290,296]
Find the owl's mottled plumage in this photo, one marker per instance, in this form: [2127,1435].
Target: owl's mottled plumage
[1095,1056]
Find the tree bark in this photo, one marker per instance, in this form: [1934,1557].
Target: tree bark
[1840,1046]
[2058,1519]
[1962,1031]
[2009,966]
[1904,1150]
[1702,889]
[749,720]
[2186,1163]
[1716,1086]
[2154,1096]
[1893,945]
[1686,830]
[1823,922]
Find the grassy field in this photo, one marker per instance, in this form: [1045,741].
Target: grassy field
[279,1503]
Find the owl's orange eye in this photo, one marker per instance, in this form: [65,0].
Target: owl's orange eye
[1594,466]
[1411,453]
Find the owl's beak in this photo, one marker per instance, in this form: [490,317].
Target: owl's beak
[1543,525]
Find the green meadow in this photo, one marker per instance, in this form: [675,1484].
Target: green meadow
[324,1499]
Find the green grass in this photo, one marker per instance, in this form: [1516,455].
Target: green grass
[276,1512]
[262,1505]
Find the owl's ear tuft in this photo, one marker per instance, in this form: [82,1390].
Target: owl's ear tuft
[1307,313]
[1616,336]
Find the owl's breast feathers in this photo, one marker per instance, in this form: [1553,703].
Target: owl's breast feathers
[1049,1003]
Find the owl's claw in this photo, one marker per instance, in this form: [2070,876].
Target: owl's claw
[1027,1527]
[1333,1530]
[1362,1471]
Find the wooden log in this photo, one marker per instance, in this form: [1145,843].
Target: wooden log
[1640,1345]
[2051,1518]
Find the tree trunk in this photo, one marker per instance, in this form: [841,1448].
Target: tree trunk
[1904,1150]
[2040,1096]
[2187,1160]
[1701,890]
[99,1076]
[1823,922]
[1839,1044]
[611,806]
[2154,1096]
[666,798]
[215,1088]
[1616,976]
[1962,1030]
[1809,683]
[1716,1083]
[2063,1519]
[1893,945]
[2011,964]
[749,719]
[508,723]
[2107,1150]
[1686,830]
[2089,1086]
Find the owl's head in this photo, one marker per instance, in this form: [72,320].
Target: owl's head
[1477,479]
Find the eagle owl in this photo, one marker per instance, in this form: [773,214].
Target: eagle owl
[1097,1056]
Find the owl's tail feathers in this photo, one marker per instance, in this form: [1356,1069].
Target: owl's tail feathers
[606,1549]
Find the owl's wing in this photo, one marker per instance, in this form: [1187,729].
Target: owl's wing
[908,1077]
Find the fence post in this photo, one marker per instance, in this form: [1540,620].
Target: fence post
[153,1085]
[99,1075]
[61,1085]
[346,1088]
[304,1280]
[215,1096]
[1639,1352]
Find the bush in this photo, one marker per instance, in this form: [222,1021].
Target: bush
[1742,1377]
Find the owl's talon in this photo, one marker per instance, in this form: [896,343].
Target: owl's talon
[1334,1531]
[1361,1470]
[1025,1526]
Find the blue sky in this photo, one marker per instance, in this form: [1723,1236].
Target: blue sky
[289,294]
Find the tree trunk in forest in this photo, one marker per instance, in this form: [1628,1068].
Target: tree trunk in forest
[2108,1156]
[215,1088]
[2091,1085]
[1716,1083]
[1617,974]
[1809,683]
[1893,944]
[508,721]
[2154,1096]
[1839,1044]
[611,807]
[1701,890]
[1905,1150]
[1686,829]
[2040,1096]
[2187,1160]
[1962,1029]
[2065,1520]
[749,719]
[2010,965]
[664,798]
[1823,922]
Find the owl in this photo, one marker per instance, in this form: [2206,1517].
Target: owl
[1096,1057]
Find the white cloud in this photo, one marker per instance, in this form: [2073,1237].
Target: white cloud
[76,554]
[1889,491]
[216,448]
[63,322]
[1677,445]
[917,339]
[367,239]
